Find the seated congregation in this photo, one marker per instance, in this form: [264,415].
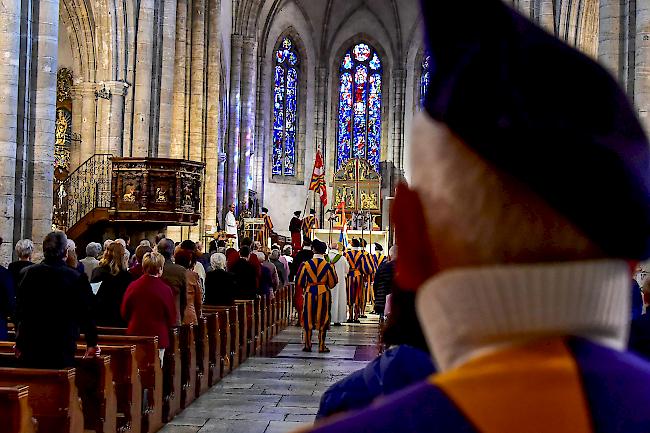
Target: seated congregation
[120,341]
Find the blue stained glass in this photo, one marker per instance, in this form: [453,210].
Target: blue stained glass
[347,61]
[374,121]
[361,52]
[425,77]
[345,119]
[293,58]
[285,110]
[360,109]
[375,63]
[359,129]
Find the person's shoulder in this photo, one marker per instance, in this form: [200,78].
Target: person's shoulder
[422,407]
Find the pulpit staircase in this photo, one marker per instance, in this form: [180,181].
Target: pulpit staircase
[83,198]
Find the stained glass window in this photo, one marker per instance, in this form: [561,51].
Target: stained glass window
[425,76]
[285,107]
[359,129]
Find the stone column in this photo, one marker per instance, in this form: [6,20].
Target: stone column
[320,126]
[10,54]
[398,121]
[178,111]
[248,112]
[197,81]
[232,176]
[642,63]
[610,47]
[143,77]
[87,128]
[43,115]
[113,117]
[546,17]
[211,156]
[167,78]
[221,186]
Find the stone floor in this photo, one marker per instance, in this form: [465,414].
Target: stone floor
[279,391]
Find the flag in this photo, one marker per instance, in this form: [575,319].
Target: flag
[317,183]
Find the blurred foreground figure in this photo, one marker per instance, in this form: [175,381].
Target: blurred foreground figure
[528,208]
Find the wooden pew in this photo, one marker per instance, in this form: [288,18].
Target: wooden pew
[128,388]
[233,321]
[94,381]
[188,365]
[148,361]
[273,315]
[52,396]
[285,308]
[214,347]
[170,373]
[246,327]
[243,331]
[264,320]
[16,411]
[172,380]
[257,314]
[203,357]
[226,341]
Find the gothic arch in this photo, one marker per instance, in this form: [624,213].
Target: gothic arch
[77,17]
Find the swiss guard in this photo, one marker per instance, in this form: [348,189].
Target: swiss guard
[309,223]
[359,268]
[528,209]
[316,279]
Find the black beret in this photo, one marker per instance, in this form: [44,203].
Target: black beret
[319,246]
[544,113]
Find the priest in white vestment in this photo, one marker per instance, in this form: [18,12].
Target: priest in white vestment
[339,293]
[231,225]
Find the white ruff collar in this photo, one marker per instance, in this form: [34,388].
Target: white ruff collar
[469,312]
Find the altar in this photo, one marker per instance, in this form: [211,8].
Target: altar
[379,236]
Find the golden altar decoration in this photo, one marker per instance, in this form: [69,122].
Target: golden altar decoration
[358,185]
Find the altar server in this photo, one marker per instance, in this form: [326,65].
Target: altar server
[339,293]
[231,226]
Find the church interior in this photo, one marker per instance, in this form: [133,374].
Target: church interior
[251,125]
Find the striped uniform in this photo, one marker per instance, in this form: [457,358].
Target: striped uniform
[358,268]
[369,272]
[309,223]
[265,232]
[377,260]
[316,278]
[562,385]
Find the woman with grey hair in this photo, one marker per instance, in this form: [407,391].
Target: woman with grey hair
[24,250]
[287,258]
[71,258]
[283,274]
[220,285]
[90,262]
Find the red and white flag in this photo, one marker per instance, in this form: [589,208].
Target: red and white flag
[317,183]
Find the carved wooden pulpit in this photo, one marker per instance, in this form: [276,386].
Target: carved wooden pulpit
[156,189]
